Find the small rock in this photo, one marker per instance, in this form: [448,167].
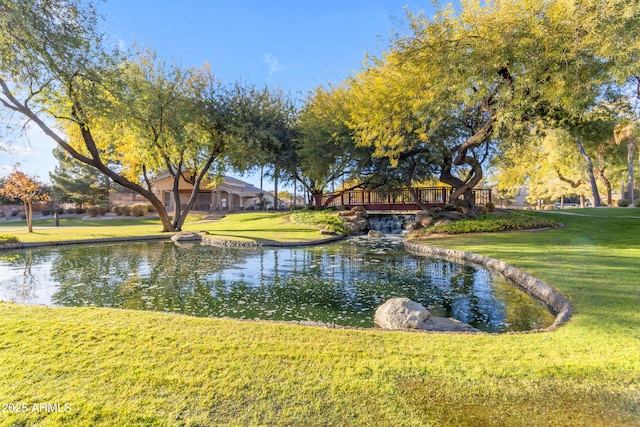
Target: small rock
[414,226]
[375,234]
[359,211]
[186,236]
[361,223]
[443,221]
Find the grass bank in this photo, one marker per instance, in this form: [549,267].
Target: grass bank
[119,367]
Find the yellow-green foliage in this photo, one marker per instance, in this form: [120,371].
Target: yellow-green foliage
[139,209]
[7,238]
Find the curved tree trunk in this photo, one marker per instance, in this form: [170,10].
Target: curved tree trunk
[592,179]
[93,160]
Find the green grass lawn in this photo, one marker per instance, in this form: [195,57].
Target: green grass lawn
[119,367]
[604,212]
[258,227]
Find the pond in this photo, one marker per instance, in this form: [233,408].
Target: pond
[340,283]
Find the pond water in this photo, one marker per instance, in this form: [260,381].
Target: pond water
[340,283]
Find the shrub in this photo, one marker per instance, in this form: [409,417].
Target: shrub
[143,206]
[81,210]
[7,238]
[150,208]
[46,212]
[103,209]
[117,210]
[623,203]
[636,203]
[137,210]
[14,212]
[450,208]
[491,207]
[92,211]
[125,210]
[58,211]
[492,223]
[321,219]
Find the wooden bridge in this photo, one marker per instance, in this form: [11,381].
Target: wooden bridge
[398,199]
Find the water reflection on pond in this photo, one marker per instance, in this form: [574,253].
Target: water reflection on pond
[341,283]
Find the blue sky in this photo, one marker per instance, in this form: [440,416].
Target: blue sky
[294,45]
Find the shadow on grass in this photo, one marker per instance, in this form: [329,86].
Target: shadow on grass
[512,402]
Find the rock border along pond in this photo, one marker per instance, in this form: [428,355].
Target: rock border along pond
[557,303]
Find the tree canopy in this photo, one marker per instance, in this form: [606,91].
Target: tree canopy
[454,92]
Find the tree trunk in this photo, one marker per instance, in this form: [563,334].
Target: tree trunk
[412,191]
[592,178]
[607,184]
[275,188]
[28,213]
[463,189]
[631,148]
[295,192]
[600,172]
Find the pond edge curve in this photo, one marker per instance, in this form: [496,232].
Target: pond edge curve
[557,303]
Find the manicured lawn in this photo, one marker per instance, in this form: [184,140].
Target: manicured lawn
[605,212]
[257,227]
[77,229]
[118,367]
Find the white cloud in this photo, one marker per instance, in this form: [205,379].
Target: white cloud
[18,150]
[273,63]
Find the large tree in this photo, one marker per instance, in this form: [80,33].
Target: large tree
[326,147]
[128,117]
[265,133]
[452,87]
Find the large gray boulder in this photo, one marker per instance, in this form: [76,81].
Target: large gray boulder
[402,313]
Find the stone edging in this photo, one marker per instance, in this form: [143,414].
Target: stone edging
[28,245]
[267,243]
[559,305]
[206,240]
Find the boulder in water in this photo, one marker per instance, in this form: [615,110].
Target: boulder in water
[402,313]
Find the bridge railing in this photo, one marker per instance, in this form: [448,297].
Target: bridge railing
[400,198]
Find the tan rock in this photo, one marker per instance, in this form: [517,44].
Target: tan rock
[402,313]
